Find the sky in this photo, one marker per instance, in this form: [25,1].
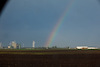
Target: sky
[26,20]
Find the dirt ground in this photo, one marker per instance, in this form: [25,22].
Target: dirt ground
[50,58]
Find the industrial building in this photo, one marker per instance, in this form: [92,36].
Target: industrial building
[14,45]
[33,44]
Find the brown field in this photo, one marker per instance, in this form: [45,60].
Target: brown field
[49,58]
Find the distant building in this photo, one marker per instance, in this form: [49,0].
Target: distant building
[19,46]
[9,46]
[85,47]
[33,44]
[82,47]
[92,48]
[15,45]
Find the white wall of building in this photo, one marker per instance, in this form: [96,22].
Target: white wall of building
[85,47]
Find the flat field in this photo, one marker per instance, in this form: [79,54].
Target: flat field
[50,58]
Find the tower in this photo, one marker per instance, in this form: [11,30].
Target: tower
[33,44]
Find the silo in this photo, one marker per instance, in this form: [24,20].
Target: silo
[33,44]
[14,44]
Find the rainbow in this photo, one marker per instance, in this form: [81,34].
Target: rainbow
[57,26]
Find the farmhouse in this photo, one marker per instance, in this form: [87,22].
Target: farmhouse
[85,47]
[82,47]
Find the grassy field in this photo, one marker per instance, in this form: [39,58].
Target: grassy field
[49,58]
[48,51]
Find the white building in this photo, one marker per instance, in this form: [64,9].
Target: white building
[85,47]
[92,48]
[82,47]
[9,47]
[14,45]
[33,44]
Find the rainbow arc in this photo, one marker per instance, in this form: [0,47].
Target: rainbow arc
[58,24]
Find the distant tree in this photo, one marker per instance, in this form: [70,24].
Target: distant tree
[54,46]
[67,47]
